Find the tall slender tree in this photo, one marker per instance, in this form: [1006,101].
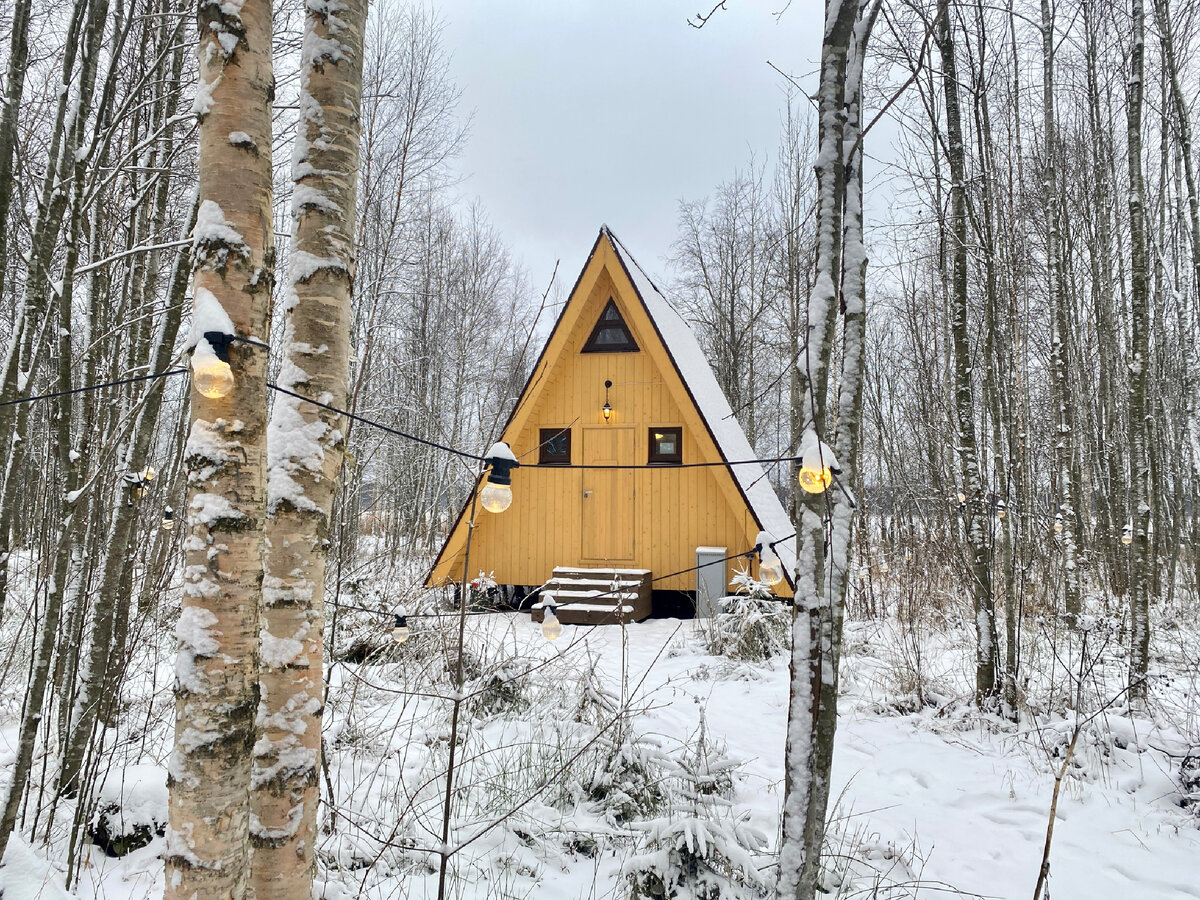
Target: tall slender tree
[1139,363]
[839,287]
[974,511]
[305,450]
[216,691]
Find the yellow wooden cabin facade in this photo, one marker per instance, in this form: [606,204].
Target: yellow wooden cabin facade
[662,401]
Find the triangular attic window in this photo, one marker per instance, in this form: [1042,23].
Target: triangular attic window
[611,334]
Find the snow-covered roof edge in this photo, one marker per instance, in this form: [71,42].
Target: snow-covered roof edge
[701,384]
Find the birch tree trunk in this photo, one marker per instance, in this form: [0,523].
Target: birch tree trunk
[306,446]
[1139,463]
[216,690]
[820,591]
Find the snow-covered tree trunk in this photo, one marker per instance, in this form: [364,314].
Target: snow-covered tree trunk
[1191,367]
[97,690]
[305,450]
[975,511]
[216,691]
[1064,426]
[18,57]
[32,319]
[1110,499]
[820,582]
[61,188]
[1139,362]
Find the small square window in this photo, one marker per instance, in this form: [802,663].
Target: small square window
[666,446]
[554,447]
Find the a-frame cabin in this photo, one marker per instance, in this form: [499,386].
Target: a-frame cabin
[583,530]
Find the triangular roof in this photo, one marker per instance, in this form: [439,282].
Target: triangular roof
[697,376]
[700,384]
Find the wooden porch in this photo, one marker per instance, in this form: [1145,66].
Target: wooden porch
[597,596]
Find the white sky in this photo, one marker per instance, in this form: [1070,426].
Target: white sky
[610,111]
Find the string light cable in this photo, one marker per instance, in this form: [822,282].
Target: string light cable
[404,434]
[993,508]
[95,387]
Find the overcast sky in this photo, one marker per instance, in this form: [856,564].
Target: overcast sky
[610,111]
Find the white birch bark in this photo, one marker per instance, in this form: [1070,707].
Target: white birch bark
[305,451]
[216,691]
[820,585]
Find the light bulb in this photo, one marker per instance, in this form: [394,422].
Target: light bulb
[1127,535]
[551,627]
[962,498]
[814,480]
[211,376]
[401,631]
[168,519]
[770,571]
[1001,509]
[1058,523]
[496,498]
[608,411]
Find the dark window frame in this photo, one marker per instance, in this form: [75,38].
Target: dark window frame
[603,324]
[545,456]
[654,458]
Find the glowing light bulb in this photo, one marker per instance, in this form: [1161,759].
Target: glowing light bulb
[168,519]
[1058,523]
[770,570]
[496,495]
[818,464]
[1127,535]
[962,498]
[1001,509]
[815,480]
[211,375]
[401,631]
[551,627]
[496,498]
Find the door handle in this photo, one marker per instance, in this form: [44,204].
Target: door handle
[587,494]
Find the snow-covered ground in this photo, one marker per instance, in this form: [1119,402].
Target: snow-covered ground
[930,796]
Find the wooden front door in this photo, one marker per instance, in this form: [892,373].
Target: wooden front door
[608,494]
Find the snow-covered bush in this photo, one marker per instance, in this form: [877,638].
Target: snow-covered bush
[752,625]
[131,809]
[501,690]
[695,858]
[1189,780]
[699,850]
[627,783]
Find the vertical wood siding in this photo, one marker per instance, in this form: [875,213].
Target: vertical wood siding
[644,518]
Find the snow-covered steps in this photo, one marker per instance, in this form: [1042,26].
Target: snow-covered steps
[597,596]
